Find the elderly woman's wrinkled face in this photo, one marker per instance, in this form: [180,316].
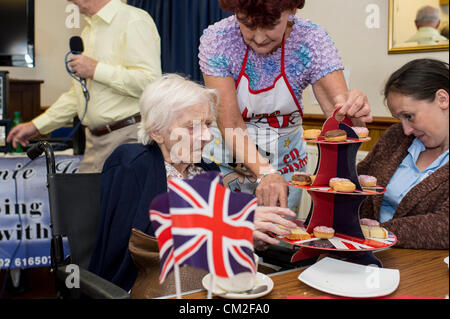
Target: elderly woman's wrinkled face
[264,40]
[427,121]
[188,134]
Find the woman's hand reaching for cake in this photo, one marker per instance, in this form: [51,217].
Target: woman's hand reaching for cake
[266,220]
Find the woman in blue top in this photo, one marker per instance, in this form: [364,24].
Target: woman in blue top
[411,158]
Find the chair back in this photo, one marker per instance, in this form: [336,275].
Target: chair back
[75,211]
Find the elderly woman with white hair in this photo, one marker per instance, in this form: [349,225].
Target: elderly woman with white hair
[176,116]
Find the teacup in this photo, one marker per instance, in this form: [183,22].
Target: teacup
[240,282]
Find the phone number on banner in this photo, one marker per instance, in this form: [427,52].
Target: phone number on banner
[25,262]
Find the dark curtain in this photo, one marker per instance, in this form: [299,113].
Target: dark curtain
[180,24]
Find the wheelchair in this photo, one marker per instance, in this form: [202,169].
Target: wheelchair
[74,213]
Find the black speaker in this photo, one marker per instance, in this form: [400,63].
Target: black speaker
[4,94]
[5,124]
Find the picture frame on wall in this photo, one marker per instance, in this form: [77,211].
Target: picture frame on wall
[402,14]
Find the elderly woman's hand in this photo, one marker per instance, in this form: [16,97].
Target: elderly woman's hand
[272,191]
[266,220]
[354,104]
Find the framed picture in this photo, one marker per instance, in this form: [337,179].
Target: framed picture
[5,126]
[411,29]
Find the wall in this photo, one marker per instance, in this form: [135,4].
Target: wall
[363,50]
[52,43]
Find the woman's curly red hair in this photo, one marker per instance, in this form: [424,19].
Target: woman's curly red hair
[260,13]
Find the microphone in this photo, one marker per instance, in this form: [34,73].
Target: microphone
[76,45]
[76,48]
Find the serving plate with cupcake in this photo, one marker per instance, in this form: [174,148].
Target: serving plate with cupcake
[338,185]
[325,238]
[338,136]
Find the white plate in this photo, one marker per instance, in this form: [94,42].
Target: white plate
[261,279]
[446,260]
[346,279]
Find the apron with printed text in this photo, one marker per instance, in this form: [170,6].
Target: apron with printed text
[273,117]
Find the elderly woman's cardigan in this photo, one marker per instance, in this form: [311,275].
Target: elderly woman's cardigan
[421,218]
[132,177]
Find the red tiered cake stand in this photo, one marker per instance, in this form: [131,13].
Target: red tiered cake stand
[337,209]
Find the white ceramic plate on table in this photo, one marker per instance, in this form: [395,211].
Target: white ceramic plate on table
[346,279]
[261,279]
[446,260]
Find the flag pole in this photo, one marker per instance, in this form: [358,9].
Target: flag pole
[211,285]
[177,280]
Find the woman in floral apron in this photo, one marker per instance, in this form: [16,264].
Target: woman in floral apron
[260,60]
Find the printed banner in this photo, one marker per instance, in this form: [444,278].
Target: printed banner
[24,210]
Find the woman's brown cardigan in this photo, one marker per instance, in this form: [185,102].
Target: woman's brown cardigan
[421,218]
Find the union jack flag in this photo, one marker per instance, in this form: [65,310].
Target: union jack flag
[211,227]
[161,223]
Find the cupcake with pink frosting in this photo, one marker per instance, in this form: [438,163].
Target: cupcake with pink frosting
[367,181]
[361,131]
[369,222]
[323,232]
[335,180]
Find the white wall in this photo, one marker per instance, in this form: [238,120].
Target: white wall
[363,50]
[52,43]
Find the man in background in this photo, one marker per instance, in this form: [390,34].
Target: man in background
[427,23]
[444,31]
[121,56]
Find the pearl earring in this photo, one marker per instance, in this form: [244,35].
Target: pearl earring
[291,17]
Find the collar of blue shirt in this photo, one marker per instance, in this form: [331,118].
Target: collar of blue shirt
[418,147]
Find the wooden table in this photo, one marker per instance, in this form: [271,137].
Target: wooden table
[423,273]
